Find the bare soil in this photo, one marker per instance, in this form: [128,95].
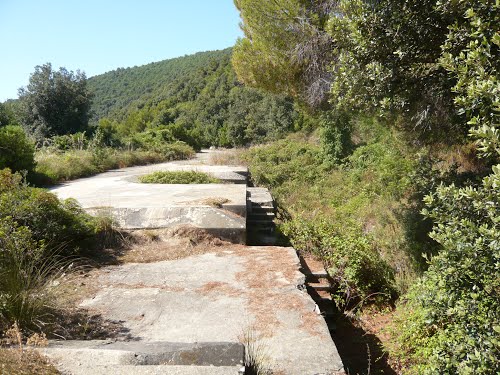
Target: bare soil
[361,343]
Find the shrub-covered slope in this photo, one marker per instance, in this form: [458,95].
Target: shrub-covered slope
[197,98]
[118,89]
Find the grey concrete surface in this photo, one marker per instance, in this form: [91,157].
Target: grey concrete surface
[233,294]
[144,206]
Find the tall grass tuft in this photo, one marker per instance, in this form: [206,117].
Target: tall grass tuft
[257,360]
[26,274]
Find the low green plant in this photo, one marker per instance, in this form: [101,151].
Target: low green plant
[178,177]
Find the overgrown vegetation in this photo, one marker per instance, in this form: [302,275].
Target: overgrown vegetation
[55,165]
[430,70]
[178,177]
[347,214]
[393,180]
[39,236]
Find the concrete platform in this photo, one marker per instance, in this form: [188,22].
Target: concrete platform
[146,206]
[233,294]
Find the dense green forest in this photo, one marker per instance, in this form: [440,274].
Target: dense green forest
[196,99]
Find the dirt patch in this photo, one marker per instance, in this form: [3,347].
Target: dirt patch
[149,246]
[82,324]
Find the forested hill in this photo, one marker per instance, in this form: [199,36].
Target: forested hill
[197,97]
[118,89]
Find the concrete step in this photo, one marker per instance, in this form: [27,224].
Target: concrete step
[138,353]
[75,369]
[319,296]
[315,276]
[256,222]
[261,240]
[254,207]
[264,230]
[321,286]
[260,196]
[262,215]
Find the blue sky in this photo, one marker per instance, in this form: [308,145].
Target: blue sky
[101,35]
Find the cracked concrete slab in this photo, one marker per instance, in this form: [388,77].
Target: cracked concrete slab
[233,294]
[202,304]
[147,206]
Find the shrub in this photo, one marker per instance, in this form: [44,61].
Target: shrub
[351,259]
[178,177]
[16,151]
[56,223]
[452,315]
[38,234]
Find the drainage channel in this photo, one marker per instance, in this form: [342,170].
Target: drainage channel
[261,231]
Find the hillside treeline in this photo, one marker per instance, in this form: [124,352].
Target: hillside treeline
[196,99]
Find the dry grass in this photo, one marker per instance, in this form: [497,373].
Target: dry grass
[215,202]
[463,156]
[228,157]
[24,362]
[148,246]
[257,359]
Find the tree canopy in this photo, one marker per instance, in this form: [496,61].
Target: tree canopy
[54,102]
[286,48]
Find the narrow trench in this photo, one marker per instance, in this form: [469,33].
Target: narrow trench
[361,351]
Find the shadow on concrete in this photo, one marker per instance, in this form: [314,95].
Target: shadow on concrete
[80,324]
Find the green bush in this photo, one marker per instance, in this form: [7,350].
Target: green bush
[51,221]
[349,256]
[16,150]
[178,177]
[451,319]
[38,235]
